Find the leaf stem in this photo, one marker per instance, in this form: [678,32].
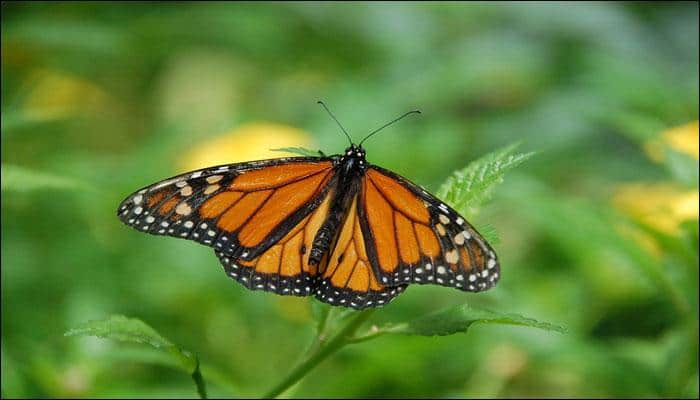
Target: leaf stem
[199,381]
[319,354]
[372,333]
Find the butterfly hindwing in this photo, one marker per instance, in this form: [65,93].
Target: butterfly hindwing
[284,267]
[415,238]
[239,209]
[348,278]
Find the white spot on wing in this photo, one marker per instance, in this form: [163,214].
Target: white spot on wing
[211,189]
[452,257]
[440,229]
[214,178]
[186,191]
[183,209]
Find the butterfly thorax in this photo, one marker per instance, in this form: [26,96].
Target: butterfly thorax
[351,167]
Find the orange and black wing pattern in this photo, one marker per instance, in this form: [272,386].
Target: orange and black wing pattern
[348,277]
[343,277]
[412,237]
[284,267]
[349,233]
[239,209]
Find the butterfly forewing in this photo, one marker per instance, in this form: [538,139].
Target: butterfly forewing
[348,278]
[239,209]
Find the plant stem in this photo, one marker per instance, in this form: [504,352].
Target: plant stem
[321,334]
[199,382]
[320,353]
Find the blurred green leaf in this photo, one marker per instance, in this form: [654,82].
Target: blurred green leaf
[467,188]
[460,318]
[16,120]
[489,233]
[150,355]
[299,150]
[318,308]
[78,35]
[638,127]
[123,329]
[682,167]
[20,179]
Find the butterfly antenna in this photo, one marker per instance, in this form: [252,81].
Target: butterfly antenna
[335,119]
[389,123]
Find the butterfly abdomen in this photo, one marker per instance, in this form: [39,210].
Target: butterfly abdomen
[347,187]
[328,232]
[322,241]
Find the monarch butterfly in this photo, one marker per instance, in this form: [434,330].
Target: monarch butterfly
[336,227]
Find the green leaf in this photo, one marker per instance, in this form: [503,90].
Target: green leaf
[489,233]
[459,319]
[15,120]
[301,151]
[123,329]
[682,167]
[467,188]
[19,179]
[319,309]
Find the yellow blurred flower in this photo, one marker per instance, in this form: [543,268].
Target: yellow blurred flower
[247,143]
[663,206]
[683,139]
[55,94]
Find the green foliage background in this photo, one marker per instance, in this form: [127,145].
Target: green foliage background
[584,85]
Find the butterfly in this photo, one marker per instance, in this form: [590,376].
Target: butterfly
[335,227]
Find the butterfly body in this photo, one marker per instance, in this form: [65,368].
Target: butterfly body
[348,232]
[351,167]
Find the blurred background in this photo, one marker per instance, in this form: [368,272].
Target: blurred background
[597,232]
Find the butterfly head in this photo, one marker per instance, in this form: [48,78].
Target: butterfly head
[354,156]
[356,152]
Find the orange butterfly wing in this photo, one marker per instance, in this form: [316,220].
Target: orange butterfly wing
[348,278]
[240,209]
[262,217]
[284,267]
[412,237]
[344,276]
